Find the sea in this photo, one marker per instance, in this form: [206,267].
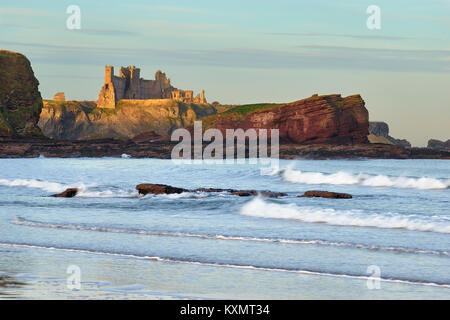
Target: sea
[390,241]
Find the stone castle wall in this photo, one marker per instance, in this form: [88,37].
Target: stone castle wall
[129,85]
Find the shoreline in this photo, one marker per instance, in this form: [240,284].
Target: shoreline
[161,149]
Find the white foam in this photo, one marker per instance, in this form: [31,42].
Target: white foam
[33,183]
[260,208]
[183,195]
[345,178]
[83,190]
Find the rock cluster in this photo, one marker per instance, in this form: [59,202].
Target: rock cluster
[149,188]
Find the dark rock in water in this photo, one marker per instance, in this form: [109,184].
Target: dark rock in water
[325,194]
[244,193]
[212,190]
[68,193]
[147,188]
[165,189]
[270,194]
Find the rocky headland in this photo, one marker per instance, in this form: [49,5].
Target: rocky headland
[439,145]
[379,133]
[328,119]
[318,127]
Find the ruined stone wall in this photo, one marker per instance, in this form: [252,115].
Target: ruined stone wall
[119,85]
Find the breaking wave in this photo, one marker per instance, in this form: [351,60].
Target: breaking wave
[260,208]
[344,178]
[86,227]
[33,183]
[83,190]
[222,265]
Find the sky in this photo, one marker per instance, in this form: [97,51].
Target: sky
[250,51]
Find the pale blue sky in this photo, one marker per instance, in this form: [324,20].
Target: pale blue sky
[251,51]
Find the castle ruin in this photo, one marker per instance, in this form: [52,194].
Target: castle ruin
[129,85]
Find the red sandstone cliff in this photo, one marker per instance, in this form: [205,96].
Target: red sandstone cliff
[318,119]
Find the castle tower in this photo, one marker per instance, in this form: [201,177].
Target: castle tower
[109,73]
[202,97]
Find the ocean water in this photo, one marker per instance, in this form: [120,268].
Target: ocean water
[391,241]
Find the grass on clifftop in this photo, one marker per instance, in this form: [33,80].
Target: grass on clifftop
[237,113]
[245,109]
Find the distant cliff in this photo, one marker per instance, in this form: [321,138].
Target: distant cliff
[20,99]
[318,119]
[439,145]
[379,133]
[81,120]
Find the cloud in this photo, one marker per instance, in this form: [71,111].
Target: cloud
[181,9]
[335,35]
[106,32]
[26,12]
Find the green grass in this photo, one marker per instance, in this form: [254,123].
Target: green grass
[245,109]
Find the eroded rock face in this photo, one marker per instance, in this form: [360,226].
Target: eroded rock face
[325,194]
[318,119]
[81,120]
[20,99]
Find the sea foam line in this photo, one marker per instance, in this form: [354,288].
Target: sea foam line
[354,218]
[223,265]
[83,190]
[345,178]
[84,227]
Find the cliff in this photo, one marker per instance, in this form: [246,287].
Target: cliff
[82,120]
[318,119]
[379,133]
[20,99]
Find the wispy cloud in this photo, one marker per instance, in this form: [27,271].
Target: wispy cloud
[301,57]
[336,35]
[26,12]
[106,32]
[181,9]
